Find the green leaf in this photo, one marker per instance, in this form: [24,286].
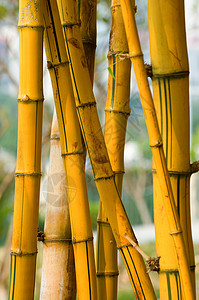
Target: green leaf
[111,72]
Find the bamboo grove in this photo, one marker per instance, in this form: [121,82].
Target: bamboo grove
[71,267]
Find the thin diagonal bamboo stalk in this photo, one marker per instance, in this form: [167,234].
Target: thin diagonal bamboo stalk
[58,268]
[73,154]
[156,144]
[94,141]
[28,172]
[171,99]
[117,112]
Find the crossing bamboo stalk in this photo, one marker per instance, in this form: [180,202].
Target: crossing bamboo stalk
[117,112]
[97,152]
[28,167]
[73,154]
[171,98]
[58,267]
[175,230]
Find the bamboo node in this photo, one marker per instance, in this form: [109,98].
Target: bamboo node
[28,174]
[50,65]
[26,99]
[153,263]
[74,241]
[127,114]
[47,240]
[86,104]
[175,173]
[148,70]
[20,253]
[107,274]
[73,153]
[180,74]
[194,167]
[70,25]
[136,55]
[105,177]
[40,235]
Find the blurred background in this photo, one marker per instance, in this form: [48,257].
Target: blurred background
[137,191]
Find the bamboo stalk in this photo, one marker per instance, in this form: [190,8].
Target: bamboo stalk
[58,269]
[73,154]
[87,15]
[100,164]
[28,168]
[117,112]
[156,144]
[171,99]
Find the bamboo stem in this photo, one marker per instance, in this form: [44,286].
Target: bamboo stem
[28,168]
[72,153]
[117,112]
[171,99]
[156,145]
[94,141]
[58,269]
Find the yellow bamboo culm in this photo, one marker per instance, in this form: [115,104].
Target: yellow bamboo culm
[171,98]
[117,112]
[73,154]
[87,15]
[175,230]
[58,268]
[100,164]
[28,168]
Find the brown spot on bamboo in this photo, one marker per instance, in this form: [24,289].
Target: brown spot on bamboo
[74,42]
[83,61]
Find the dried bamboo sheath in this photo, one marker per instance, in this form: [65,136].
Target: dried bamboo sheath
[28,172]
[157,147]
[94,141]
[171,99]
[72,153]
[58,270]
[117,112]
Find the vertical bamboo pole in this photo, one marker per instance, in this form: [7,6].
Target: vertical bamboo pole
[58,269]
[100,164]
[73,154]
[175,230]
[87,15]
[27,176]
[171,98]
[117,112]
